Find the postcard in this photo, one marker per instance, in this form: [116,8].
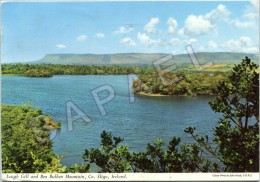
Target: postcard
[130,90]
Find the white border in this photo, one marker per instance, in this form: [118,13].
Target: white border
[122,176]
[132,177]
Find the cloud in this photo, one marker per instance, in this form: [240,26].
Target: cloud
[174,41]
[60,46]
[202,24]
[172,25]
[145,39]
[100,35]
[181,31]
[212,45]
[255,4]
[128,41]
[191,41]
[251,15]
[220,13]
[82,38]
[124,29]
[150,26]
[242,44]
[197,25]
[252,11]
[237,23]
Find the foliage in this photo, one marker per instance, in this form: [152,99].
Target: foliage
[47,70]
[109,157]
[26,146]
[175,158]
[38,73]
[238,132]
[179,83]
[115,158]
[237,136]
[76,168]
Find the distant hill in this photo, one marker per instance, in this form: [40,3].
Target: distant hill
[142,58]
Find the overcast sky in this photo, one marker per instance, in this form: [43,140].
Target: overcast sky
[32,30]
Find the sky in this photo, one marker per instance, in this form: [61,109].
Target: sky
[30,30]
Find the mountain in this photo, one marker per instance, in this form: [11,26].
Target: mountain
[142,58]
[98,59]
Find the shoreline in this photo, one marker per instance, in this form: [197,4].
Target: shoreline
[151,95]
[160,95]
[27,76]
[10,75]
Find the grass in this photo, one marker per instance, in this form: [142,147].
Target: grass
[213,68]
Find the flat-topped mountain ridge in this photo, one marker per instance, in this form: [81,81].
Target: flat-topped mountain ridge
[142,58]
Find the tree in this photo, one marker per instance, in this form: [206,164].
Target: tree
[238,132]
[26,147]
[237,136]
[179,83]
[110,157]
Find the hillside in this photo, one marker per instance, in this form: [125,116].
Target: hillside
[98,59]
[141,58]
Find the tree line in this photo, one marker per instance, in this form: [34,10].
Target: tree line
[48,70]
[234,146]
[179,83]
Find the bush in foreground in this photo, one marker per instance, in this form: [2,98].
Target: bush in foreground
[26,147]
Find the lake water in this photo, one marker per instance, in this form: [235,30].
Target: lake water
[140,122]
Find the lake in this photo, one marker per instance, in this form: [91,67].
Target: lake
[139,123]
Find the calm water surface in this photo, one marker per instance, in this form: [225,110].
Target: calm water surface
[141,122]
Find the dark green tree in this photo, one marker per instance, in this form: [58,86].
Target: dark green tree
[157,158]
[110,157]
[238,132]
[26,147]
[237,135]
